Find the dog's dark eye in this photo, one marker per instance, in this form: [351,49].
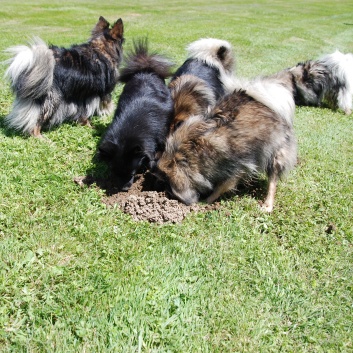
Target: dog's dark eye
[178,124]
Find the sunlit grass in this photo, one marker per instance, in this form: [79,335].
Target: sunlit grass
[76,276]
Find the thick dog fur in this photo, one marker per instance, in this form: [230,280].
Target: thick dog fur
[53,84]
[142,119]
[209,62]
[191,96]
[326,81]
[240,138]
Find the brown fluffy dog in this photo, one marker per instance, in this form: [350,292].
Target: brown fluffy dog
[191,96]
[241,138]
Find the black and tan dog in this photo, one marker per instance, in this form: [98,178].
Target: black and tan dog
[53,84]
[198,82]
[241,138]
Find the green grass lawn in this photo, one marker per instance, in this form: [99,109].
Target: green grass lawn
[76,276]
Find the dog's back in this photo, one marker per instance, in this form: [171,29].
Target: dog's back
[144,111]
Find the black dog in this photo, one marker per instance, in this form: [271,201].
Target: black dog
[141,122]
[54,84]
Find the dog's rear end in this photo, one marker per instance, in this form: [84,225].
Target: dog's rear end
[31,73]
[211,60]
[341,68]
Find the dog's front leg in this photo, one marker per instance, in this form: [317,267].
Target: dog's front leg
[222,188]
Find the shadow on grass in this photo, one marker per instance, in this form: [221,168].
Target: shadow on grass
[100,175]
[8,132]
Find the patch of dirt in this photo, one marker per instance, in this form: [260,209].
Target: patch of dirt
[146,200]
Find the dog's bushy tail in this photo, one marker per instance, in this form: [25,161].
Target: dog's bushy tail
[214,52]
[139,60]
[31,69]
[270,92]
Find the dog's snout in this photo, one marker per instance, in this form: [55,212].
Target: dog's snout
[125,184]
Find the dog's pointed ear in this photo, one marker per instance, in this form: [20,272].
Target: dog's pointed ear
[117,31]
[101,25]
[106,151]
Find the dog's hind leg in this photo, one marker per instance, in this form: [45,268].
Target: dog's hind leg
[85,122]
[267,205]
[36,131]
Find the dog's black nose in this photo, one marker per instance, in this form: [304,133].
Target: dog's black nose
[125,185]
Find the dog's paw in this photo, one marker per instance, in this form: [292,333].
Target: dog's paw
[266,207]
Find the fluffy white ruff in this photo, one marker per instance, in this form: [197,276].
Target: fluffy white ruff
[206,49]
[341,66]
[267,91]
[24,115]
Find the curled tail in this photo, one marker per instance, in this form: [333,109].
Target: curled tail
[31,69]
[139,60]
[270,92]
[214,52]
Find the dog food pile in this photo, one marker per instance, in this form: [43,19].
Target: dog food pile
[146,200]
